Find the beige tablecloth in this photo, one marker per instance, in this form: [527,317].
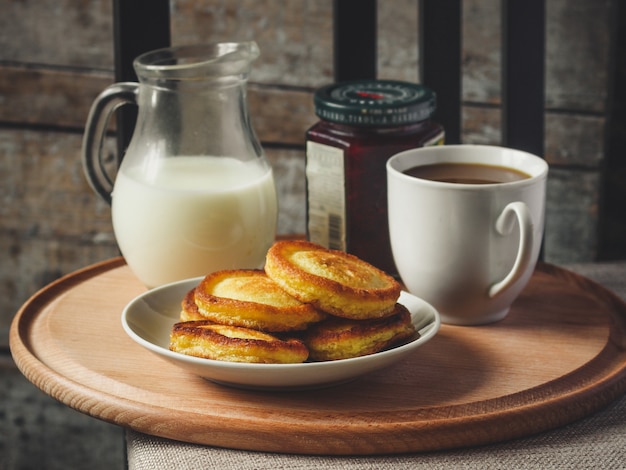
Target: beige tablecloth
[598,441]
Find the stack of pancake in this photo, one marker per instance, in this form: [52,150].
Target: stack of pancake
[309,303]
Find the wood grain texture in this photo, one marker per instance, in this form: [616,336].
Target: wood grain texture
[559,355]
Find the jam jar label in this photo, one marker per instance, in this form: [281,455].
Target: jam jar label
[439,139]
[326,195]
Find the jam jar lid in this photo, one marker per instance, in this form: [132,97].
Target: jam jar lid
[374,103]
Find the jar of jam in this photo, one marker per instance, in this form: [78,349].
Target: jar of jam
[362,124]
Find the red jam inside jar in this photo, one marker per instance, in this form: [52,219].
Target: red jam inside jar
[362,124]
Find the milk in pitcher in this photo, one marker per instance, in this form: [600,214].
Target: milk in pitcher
[190,216]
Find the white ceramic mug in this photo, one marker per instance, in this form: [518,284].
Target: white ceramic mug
[468,249]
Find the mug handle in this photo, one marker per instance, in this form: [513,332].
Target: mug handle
[100,113]
[504,226]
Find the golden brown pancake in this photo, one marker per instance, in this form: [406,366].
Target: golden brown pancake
[231,343]
[331,280]
[189,309]
[340,338]
[250,299]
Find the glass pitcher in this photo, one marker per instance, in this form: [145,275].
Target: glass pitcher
[194,192]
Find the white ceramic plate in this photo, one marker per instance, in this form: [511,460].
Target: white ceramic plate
[148,320]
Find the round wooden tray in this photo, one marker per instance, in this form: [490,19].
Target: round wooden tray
[559,355]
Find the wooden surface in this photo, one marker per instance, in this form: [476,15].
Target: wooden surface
[559,355]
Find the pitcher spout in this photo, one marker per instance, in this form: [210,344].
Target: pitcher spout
[197,62]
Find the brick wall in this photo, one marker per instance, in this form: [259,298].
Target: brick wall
[56,55]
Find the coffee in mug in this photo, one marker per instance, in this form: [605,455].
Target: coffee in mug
[465,224]
[466,173]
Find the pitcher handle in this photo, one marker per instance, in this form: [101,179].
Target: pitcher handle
[504,226]
[100,113]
